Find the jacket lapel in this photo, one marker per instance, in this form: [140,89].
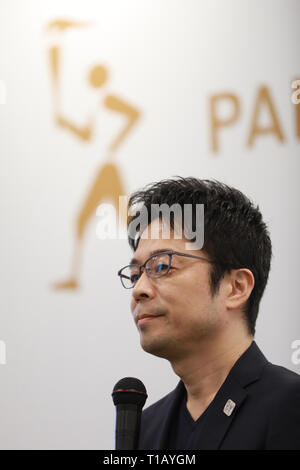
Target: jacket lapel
[218,419]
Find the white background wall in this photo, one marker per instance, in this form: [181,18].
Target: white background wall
[66,350]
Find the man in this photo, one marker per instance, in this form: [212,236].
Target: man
[197,308]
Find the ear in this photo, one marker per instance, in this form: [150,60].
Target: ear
[240,286]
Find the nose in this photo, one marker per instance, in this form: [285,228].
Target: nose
[143,288]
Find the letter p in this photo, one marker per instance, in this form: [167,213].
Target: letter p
[216,121]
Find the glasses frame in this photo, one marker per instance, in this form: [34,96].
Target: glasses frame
[170,253]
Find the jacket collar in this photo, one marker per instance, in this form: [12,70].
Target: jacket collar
[245,371]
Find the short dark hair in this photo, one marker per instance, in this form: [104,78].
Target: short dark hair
[234,233]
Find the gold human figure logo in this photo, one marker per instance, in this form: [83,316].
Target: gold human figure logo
[107,183]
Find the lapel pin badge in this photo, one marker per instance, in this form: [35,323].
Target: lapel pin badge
[229,407]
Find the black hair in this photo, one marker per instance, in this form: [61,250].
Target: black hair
[235,234]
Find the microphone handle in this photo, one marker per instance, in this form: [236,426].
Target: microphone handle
[128,424]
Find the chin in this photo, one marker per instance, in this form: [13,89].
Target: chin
[157,348]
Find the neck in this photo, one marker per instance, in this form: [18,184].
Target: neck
[204,371]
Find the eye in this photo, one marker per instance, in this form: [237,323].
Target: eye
[134,278]
[161,267]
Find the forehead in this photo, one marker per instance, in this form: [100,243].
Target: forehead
[158,236]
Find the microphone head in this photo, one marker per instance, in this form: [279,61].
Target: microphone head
[129,391]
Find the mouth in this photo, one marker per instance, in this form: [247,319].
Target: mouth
[146,318]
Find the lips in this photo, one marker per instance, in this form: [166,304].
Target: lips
[146,316]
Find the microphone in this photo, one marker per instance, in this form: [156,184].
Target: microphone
[129,396]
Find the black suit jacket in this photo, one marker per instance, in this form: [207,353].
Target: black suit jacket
[266,415]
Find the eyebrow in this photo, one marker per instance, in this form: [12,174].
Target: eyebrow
[154,252]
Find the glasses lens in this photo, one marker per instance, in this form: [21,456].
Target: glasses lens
[130,276]
[158,265]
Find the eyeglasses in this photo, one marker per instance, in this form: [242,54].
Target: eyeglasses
[156,266]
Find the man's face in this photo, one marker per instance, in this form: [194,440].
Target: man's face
[181,310]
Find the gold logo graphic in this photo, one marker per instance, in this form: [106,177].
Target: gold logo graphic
[107,182]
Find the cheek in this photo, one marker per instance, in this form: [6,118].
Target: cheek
[191,300]
[193,292]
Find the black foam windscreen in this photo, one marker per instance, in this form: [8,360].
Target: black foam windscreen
[129,390]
